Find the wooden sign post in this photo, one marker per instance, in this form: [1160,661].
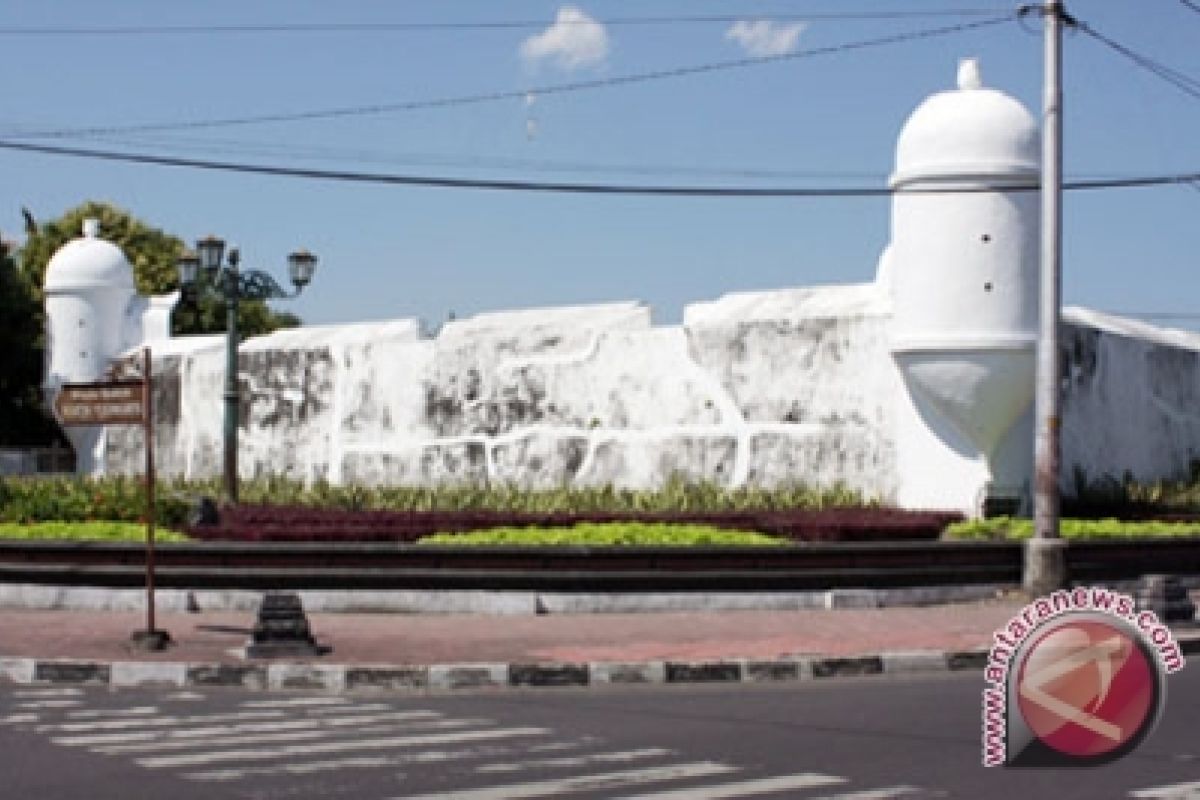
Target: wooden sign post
[124,402]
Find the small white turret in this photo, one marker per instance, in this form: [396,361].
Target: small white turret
[964,263]
[88,289]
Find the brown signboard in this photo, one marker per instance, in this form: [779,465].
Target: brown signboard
[110,403]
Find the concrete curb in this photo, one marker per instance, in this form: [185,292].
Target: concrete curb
[350,678]
[442,678]
[39,597]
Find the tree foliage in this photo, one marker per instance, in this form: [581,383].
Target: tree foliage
[22,421]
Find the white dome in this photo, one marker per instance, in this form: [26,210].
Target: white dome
[969,132]
[88,262]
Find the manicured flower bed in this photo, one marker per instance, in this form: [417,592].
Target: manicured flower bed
[84,532]
[299,524]
[1006,528]
[609,534]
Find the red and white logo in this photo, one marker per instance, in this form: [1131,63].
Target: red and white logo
[1087,688]
[1076,678]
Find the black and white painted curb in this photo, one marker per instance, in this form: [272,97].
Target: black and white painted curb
[477,676]
[339,678]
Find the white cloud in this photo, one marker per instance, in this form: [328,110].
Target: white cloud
[575,40]
[765,38]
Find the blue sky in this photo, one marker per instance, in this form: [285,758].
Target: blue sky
[389,251]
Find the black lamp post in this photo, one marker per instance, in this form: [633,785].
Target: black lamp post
[203,273]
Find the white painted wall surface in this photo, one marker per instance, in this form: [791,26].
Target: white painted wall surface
[752,390]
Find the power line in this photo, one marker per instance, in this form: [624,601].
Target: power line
[1179,80]
[572,188]
[359,156]
[243,147]
[547,90]
[418,27]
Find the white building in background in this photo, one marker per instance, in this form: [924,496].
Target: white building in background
[94,314]
[915,389]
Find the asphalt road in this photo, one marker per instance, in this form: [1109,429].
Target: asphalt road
[854,739]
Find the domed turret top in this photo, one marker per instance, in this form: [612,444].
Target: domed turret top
[87,263]
[972,132]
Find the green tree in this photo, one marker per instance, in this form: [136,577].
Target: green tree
[22,420]
[152,254]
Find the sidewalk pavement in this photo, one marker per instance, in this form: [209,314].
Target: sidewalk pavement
[453,651]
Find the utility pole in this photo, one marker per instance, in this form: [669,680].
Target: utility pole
[1045,552]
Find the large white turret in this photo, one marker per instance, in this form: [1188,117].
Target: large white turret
[89,290]
[963,272]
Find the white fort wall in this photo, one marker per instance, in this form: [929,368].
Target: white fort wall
[767,389]
[1131,400]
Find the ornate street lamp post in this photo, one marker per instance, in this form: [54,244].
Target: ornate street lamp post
[204,273]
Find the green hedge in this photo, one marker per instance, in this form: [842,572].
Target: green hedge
[86,532]
[1000,528]
[71,499]
[82,499]
[608,534]
[676,495]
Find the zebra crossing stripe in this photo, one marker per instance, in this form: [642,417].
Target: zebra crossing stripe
[583,783]
[296,701]
[36,704]
[247,727]
[1176,791]
[159,722]
[17,719]
[365,762]
[782,783]
[93,713]
[360,709]
[289,736]
[576,761]
[261,754]
[875,794]
[47,692]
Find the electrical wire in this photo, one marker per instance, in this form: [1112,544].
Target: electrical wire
[574,188]
[417,27]
[1179,80]
[236,147]
[488,97]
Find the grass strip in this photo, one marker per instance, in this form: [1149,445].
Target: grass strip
[609,534]
[1013,529]
[105,531]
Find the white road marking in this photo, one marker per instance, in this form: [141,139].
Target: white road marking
[260,754]
[874,794]
[583,783]
[367,762]
[247,727]
[362,709]
[551,747]
[47,693]
[157,722]
[296,701]
[18,719]
[576,761]
[781,783]
[184,696]
[1176,791]
[48,704]
[136,711]
[290,736]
